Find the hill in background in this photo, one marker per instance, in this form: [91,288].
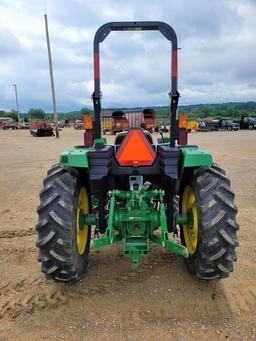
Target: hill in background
[233,110]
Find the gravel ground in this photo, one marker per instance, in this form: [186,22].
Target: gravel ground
[160,301]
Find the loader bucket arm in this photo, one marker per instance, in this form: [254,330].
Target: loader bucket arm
[169,33]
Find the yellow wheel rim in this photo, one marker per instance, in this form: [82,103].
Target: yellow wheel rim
[190,230]
[82,208]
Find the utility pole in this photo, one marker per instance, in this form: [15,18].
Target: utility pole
[51,78]
[17,104]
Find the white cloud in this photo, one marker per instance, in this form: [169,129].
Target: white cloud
[217,59]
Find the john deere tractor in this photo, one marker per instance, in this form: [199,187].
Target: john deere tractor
[136,192]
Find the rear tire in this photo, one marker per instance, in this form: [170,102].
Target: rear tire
[215,252]
[57,226]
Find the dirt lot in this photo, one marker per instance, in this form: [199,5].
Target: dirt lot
[160,301]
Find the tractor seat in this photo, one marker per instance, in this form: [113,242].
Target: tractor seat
[120,137]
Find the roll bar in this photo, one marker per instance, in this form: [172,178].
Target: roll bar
[169,33]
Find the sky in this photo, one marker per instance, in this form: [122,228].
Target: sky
[217,56]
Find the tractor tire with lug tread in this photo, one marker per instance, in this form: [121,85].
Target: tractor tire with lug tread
[57,226]
[214,252]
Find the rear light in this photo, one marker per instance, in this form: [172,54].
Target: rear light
[88,122]
[135,150]
[183,120]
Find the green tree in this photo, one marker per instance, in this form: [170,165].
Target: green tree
[25,118]
[36,113]
[13,114]
[207,111]
[85,111]
[231,111]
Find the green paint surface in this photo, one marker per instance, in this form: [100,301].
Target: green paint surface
[101,140]
[76,157]
[135,221]
[195,157]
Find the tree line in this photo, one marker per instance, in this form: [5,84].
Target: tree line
[197,112]
[40,114]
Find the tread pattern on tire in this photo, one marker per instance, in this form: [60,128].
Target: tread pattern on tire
[217,238]
[56,226]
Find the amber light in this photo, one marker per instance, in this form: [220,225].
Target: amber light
[183,120]
[135,150]
[88,122]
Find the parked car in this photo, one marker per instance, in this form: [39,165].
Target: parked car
[228,124]
[25,125]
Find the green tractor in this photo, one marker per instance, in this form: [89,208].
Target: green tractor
[136,192]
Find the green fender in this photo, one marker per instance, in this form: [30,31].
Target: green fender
[76,157]
[195,157]
[191,157]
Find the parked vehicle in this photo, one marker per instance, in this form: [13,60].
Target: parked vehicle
[5,122]
[25,125]
[79,125]
[248,122]
[134,117]
[228,124]
[150,122]
[164,129]
[8,123]
[67,124]
[192,125]
[106,122]
[40,128]
[214,125]
[14,125]
[120,122]
[61,124]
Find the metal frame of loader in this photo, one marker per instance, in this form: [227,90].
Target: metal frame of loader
[136,191]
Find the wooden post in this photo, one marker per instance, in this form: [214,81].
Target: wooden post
[51,78]
[17,104]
